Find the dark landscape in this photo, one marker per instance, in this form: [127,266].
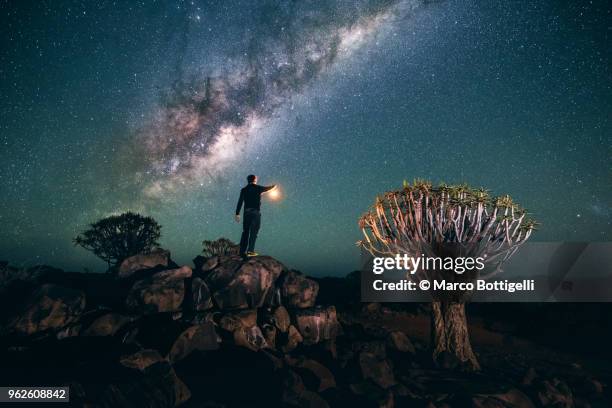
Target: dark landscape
[229,332]
[308,146]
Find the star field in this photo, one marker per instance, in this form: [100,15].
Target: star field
[164,107]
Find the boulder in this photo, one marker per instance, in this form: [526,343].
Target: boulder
[232,321]
[106,325]
[208,316]
[250,337]
[593,386]
[141,359]
[298,291]
[325,378]
[291,339]
[529,376]
[156,258]
[555,393]
[196,338]
[295,394]
[269,333]
[371,308]
[72,330]
[509,398]
[154,385]
[205,264]
[400,342]
[160,379]
[202,299]
[222,273]
[317,324]
[49,307]
[239,284]
[376,369]
[161,292]
[292,387]
[281,319]
[376,347]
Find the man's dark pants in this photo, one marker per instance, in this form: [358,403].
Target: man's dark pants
[250,228]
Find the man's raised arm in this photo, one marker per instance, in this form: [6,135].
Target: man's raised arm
[268,188]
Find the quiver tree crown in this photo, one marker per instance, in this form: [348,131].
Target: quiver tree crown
[422,219]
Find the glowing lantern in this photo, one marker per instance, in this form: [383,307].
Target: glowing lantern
[274,194]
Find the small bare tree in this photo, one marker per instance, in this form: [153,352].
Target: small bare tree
[118,237]
[443,221]
[219,247]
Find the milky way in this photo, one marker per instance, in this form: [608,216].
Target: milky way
[203,122]
[162,107]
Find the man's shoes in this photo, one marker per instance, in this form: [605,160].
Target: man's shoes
[251,253]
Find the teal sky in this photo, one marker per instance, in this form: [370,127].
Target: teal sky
[102,111]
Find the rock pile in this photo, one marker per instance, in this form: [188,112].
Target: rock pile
[235,333]
[232,314]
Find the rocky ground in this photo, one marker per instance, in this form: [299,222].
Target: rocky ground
[234,333]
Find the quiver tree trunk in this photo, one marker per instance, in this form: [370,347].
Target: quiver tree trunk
[449,333]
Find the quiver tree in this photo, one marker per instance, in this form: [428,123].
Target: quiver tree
[219,247]
[118,237]
[446,221]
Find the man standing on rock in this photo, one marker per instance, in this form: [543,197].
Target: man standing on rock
[250,195]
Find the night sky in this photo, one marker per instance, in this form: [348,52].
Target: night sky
[165,107]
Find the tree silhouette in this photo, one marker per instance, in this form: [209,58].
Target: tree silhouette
[447,221]
[219,247]
[118,237]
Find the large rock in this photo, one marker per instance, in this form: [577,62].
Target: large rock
[324,377]
[376,369]
[106,325]
[317,324]
[293,386]
[238,284]
[508,398]
[291,339]
[269,332]
[555,393]
[49,307]
[281,319]
[243,326]
[156,386]
[376,347]
[298,291]
[195,338]
[232,321]
[200,293]
[250,337]
[141,359]
[156,258]
[162,292]
[296,394]
[400,342]
[204,264]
